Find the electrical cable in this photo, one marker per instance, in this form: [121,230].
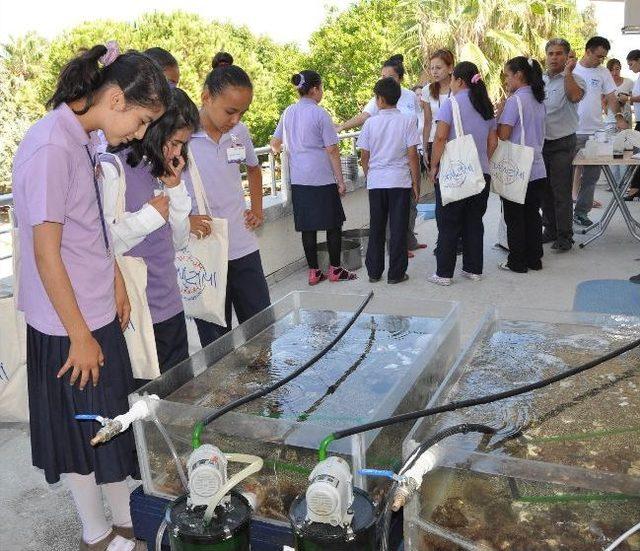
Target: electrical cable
[264,391]
[453,406]
[623,537]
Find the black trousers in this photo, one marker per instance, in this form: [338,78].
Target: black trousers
[557,203]
[334,244]
[524,229]
[461,219]
[388,206]
[171,341]
[247,292]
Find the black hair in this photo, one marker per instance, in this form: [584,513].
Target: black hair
[531,74]
[138,76]
[182,113]
[225,74]
[221,59]
[162,57]
[596,42]
[396,62]
[633,55]
[478,94]
[388,89]
[304,81]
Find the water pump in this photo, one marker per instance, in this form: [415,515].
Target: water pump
[333,514]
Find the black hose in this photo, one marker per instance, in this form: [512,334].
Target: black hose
[411,416]
[263,392]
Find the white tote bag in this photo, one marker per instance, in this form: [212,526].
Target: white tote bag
[139,334]
[202,265]
[14,401]
[511,166]
[461,173]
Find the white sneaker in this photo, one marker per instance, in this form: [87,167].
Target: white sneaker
[472,277]
[445,281]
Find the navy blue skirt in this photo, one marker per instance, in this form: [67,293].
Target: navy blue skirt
[317,207]
[60,443]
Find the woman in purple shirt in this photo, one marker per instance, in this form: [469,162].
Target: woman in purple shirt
[218,149]
[463,218]
[316,175]
[155,223]
[70,289]
[523,79]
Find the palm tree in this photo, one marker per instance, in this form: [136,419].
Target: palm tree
[489,32]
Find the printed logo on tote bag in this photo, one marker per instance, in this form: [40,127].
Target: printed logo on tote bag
[508,171]
[456,173]
[193,277]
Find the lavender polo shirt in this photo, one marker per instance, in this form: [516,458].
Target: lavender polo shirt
[222,183]
[53,182]
[309,131]
[472,123]
[387,137]
[534,114]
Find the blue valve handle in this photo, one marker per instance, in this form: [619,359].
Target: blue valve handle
[377,472]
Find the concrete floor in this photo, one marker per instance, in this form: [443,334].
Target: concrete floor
[36,516]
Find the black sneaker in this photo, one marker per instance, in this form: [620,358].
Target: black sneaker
[404,278]
[635,279]
[374,279]
[547,238]
[562,245]
[582,220]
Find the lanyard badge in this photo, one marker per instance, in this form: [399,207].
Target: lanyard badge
[237,153]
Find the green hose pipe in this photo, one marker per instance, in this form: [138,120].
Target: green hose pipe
[196,441]
[322,450]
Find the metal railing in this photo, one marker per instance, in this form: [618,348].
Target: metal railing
[7,200]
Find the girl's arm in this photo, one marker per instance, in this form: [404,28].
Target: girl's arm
[505,131]
[439,143]
[179,204]
[364,160]
[133,227]
[492,143]
[426,131]
[123,307]
[253,217]
[85,355]
[414,168]
[334,157]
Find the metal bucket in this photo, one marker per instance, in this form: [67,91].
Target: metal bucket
[349,167]
[351,259]
[360,236]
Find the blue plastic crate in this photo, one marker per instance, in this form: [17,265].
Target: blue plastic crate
[147,512]
[426,211]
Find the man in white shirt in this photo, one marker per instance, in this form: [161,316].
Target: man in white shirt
[599,82]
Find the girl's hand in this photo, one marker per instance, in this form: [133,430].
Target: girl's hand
[123,306]
[342,189]
[85,358]
[252,220]
[433,171]
[200,226]
[172,176]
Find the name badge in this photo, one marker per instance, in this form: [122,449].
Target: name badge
[236,154]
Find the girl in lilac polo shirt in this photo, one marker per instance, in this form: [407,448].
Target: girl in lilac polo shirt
[218,149]
[156,220]
[523,79]
[463,218]
[70,289]
[316,175]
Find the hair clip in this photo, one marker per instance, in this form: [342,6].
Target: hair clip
[113,51]
[301,83]
[476,78]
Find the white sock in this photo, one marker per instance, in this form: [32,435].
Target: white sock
[88,499]
[117,494]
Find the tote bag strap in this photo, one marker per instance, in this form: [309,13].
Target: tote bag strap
[285,139]
[522,140]
[122,185]
[198,188]
[457,121]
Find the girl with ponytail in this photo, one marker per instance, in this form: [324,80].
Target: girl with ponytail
[463,218]
[523,80]
[217,150]
[70,290]
[316,175]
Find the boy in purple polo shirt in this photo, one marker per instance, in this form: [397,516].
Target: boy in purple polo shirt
[71,292]
[389,155]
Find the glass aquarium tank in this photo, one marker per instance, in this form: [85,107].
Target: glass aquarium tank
[390,361]
[562,470]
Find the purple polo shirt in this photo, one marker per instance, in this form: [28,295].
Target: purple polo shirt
[309,131]
[53,182]
[472,123]
[387,138]
[534,114]
[222,183]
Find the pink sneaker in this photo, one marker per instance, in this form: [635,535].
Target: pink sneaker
[316,276]
[340,274]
